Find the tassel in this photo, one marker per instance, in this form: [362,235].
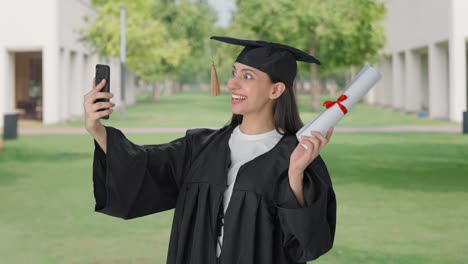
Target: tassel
[215,91]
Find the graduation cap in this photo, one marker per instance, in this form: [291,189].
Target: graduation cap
[277,60]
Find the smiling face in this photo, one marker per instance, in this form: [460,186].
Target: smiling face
[252,92]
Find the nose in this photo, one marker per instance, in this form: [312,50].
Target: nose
[233,83]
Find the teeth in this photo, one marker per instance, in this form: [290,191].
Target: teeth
[238,97]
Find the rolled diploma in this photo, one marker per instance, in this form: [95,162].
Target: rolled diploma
[356,90]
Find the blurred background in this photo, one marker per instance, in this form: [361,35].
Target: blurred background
[398,160]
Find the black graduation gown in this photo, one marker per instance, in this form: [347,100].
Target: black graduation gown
[263,223]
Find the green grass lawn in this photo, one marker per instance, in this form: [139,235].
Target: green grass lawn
[196,108]
[402,198]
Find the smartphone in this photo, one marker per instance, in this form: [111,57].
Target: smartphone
[103,72]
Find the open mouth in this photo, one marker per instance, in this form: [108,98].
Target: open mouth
[237,98]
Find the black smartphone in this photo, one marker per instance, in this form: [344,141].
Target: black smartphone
[103,72]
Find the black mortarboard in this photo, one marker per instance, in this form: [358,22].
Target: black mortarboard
[277,60]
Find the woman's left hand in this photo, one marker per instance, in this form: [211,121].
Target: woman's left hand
[302,157]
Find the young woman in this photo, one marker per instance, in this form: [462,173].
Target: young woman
[246,193]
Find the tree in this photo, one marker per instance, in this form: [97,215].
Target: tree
[193,22]
[151,52]
[341,33]
[166,39]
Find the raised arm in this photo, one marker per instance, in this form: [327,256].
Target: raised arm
[92,114]
[303,157]
[133,180]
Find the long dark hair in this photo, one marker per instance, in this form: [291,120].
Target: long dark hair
[285,112]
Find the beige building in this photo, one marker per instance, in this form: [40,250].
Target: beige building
[425,60]
[44,69]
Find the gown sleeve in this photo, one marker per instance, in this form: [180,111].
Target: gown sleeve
[132,181]
[308,232]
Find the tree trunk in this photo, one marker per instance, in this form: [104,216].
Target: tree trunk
[314,86]
[178,87]
[156,91]
[168,87]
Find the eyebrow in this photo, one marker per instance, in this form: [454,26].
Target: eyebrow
[244,70]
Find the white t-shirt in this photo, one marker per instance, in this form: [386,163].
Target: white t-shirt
[244,148]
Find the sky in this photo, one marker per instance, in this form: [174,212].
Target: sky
[224,8]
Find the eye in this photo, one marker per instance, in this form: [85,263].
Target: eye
[248,76]
[233,73]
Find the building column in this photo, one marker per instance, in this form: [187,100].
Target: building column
[398,87]
[3,83]
[438,82]
[76,87]
[457,75]
[424,80]
[413,91]
[51,85]
[457,60]
[379,88]
[10,104]
[66,83]
[50,70]
[7,88]
[87,74]
[387,84]
[371,97]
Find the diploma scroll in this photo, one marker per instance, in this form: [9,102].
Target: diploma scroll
[356,90]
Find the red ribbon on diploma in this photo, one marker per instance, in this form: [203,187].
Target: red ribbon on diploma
[329,104]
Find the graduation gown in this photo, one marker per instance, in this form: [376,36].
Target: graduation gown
[263,223]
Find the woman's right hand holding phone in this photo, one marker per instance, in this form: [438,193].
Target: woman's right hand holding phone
[92,114]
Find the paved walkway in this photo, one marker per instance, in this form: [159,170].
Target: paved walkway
[343,129]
